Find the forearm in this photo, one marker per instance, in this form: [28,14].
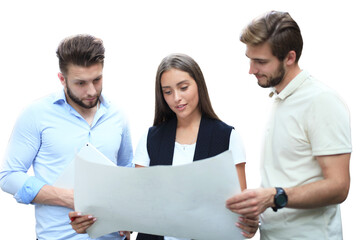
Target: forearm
[50,195]
[240,169]
[312,195]
[317,194]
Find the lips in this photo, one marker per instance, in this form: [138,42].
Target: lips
[258,76]
[180,107]
[91,99]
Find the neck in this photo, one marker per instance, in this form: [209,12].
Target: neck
[190,121]
[290,74]
[87,113]
[187,129]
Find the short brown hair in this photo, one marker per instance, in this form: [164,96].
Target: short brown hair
[184,63]
[279,30]
[81,50]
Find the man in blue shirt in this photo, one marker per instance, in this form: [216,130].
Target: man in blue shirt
[49,132]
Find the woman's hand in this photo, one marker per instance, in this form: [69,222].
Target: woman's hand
[80,222]
[125,233]
[248,225]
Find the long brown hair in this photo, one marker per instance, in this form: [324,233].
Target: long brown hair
[184,63]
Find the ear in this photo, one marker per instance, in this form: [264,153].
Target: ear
[62,79]
[290,58]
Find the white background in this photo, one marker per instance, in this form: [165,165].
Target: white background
[138,34]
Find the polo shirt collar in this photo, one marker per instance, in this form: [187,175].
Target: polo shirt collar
[292,86]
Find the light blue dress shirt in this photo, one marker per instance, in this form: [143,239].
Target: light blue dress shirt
[47,136]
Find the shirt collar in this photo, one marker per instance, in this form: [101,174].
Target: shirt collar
[292,86]
[59,98]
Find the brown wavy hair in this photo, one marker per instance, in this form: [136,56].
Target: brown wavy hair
[279,30]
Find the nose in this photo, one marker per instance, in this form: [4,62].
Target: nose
[91,90]
[252,68]
[177,96]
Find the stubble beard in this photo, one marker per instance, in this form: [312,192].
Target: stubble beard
[273,81]
[79,102]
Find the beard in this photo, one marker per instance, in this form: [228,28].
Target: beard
[272,81]
[79,102]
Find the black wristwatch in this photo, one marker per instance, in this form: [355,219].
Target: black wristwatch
[280,199]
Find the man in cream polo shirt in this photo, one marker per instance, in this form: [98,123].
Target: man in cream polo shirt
[306,153]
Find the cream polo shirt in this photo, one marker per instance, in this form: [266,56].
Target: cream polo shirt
[308,119]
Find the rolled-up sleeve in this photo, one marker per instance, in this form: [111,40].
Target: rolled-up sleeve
[29,190]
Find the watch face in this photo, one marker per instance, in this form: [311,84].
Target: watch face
[281,200]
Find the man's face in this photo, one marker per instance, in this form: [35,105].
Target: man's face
[83,85]
[267,68]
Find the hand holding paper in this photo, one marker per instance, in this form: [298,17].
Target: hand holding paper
[80,223]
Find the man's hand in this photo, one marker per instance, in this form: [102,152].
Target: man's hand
[251,202]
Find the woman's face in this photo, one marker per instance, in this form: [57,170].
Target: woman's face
[180,92]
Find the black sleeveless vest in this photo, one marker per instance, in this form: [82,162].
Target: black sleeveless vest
[213,139]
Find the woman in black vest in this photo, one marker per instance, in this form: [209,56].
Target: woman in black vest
[185,127]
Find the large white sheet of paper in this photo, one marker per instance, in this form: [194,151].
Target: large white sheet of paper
[88,152]
[183,201]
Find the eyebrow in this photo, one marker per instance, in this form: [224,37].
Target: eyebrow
[179,83]
[257,59]
[82,80]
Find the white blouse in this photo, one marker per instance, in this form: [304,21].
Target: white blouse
[184,153]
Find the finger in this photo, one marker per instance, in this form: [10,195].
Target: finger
[248,235]
[249,226]
[233,200]
[249,208]
[256,218]
[243,196]
[74,215]
[246,211]
[241,205]
[83,219]
[246,228]
[236,206]
[82,226]
[125,233]
[252,222]
[248,232]
[80,229]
